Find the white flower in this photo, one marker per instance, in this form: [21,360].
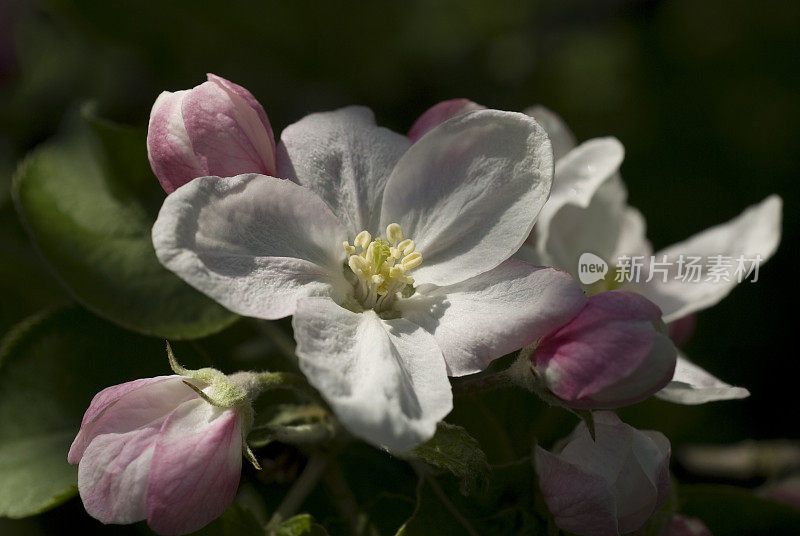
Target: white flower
[587,212]
[392,257]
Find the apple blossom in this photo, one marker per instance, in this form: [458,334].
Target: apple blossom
[439,113]
[680,525]
[587,213]
[392,257]
[614,353]
[166,449]
[606,486]
[216,128]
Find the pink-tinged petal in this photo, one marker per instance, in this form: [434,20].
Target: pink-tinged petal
[561,136]
[627,466]
[113,473]
[229,136]
[253,243]
[469,191]
[439,113]
[581,502]
[251,101]
[128,406]
[386,380]
[680,525]
[169,148]
[691,385]
[216,128]
[196,468]
[610,355]
[755,232]
[681,330]
[784,491]
[345,158]
[494,313]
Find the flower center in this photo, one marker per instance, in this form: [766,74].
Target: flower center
[381,266]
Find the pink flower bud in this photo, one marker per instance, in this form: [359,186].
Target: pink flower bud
[608,486]
[439,113]
[681,525]
[217,128]
[153,449]
[614,353]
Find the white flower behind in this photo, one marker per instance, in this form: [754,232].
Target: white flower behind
[588,212]
[393,258]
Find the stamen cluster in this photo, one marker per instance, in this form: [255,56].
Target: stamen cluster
[381,266]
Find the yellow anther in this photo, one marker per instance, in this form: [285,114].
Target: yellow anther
[396,272]
[381,266]
[411,261]
[394,233]
[406,246]
[358,264]
[362,239]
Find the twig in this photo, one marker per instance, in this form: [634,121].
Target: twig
[422,472]
[302,487]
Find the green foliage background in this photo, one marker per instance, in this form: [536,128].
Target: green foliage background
[704,96]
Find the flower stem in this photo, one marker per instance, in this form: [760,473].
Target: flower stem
[303,486]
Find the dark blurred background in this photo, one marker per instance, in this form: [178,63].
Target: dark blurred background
[704,96]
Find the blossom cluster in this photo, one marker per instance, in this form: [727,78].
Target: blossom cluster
[405,261]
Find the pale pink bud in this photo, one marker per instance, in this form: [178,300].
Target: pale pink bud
[439,113]
[680,525]
[614,353]
[154,449]
[218,128]
[607,486]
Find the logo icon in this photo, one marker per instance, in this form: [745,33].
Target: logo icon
[591,268]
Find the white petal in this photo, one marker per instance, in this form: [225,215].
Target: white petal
[692,385]
[756,231]
[494,313]
[385,379]
[561,136]
[253,243]
[345,158]
[581,217]
[469,191]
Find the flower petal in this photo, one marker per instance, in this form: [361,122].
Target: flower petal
[385,379]
[692,385]
[253,243]
[112,475]
[169,148]
[439,113]
[128,406]
[756,231]
[561,136]
[494,313]
[345,158]
[580,501]
[578,177]
[196,468]
[469,192]
[228,129]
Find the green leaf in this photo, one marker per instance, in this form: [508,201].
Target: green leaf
[88,201]
[51,366]
[506,507]
[454,450]
[235,521]
[728,510]
[300,525]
